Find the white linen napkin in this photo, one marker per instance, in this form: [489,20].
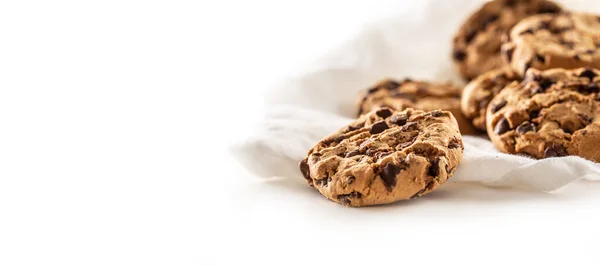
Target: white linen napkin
[416,43]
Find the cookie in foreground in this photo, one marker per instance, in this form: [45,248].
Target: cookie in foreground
[566,40]
[385,156]
[477,44]
[552,113]
[419,95]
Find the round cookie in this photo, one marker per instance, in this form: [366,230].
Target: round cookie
[480,91]
[478,41]
[567,40]
[400,95]
[385,156]
[551,113]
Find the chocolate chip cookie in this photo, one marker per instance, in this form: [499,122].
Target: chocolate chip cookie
[400,95]
[480,91]
[551,113]
[385,156]
[478,41]
[477,44]
[567,40]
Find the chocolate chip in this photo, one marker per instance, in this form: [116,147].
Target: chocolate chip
[555,150]
[502,127]
[508,53]
[577,57]
[483,103]
[372,90]
[436,113]
[470,36]
[495,107]
[534,114]
[485,21]
[548,7]
[371,152]
[586,120]
[336,139]
[324,181]
[399,120]
[454,144]
[391,85]
[590,51]
[378,127]
[388,175]
[434,169]
[593,88]
[540,58]
[351,180]
[510,3]
[410,126]
[525,127]
[352,128]
[559,30]
[459,55]
[545,83]
[305,170]
[383,113]
[527,31]
[345,198]
[352,153]
[588,73]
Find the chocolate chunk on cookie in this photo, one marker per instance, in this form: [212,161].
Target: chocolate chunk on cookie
[479,92]
[400,95]
[566,40]
[477,44]
[552,113]
[384,160]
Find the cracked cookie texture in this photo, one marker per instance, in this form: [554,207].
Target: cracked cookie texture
[566,40]
[420,95]
[478,42]
[385,156]
[552,113]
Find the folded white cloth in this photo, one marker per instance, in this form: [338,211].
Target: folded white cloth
[415,44]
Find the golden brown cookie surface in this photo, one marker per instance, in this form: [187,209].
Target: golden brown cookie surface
[550,114]
[480,91]
[566,40]
[420,95]
[478,41]
[385,156]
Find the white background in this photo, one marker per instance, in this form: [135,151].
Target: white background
[115,117]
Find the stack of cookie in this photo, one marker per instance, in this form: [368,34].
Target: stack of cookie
[533,87]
